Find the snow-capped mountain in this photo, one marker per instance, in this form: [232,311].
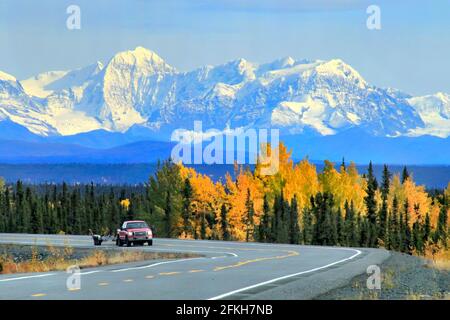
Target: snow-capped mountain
[138,91]
[435,112]
[17,106]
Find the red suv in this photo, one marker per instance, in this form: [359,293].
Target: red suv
[134,232]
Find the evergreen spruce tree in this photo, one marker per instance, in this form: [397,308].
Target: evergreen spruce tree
[64,205]
[187,213]
[334,236]
[365,232]
[294,229]
[405,174]
[203,226]
[340,223]
[11,223]
[324,229]
[115,219]
[248,217]
[417,238]
[20,211]
[440,234]
[383,216]
[426,232]
[169,216]
[285,217]
[318,218]
[351,232]
[275,220]
[307,226]
[36,218]
[280,231]
[371,205]
[3,219]
[264,225]
[224,223]
[405,230]
[394,231]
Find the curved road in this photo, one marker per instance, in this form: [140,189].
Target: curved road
[226,270]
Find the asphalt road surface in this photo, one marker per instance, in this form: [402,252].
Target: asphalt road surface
[226,270]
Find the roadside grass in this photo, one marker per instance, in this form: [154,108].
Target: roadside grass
[60,258]
[440,260]
[388,279]
[393,286]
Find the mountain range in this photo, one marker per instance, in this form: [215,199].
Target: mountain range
[324,109]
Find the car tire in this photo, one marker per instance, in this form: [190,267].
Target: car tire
[118,242]
[127,242]
[150,242]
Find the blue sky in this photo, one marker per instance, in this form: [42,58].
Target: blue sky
[411,52]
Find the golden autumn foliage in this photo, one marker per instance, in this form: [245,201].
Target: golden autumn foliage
[125,203]
[237,196]
[244,191]
[208,196]
[345,185]
[419,202]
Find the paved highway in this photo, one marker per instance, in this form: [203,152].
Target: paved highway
[226,270]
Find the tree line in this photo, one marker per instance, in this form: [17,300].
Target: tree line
[297,206]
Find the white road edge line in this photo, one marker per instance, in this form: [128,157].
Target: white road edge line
[90,272]
[192,251]
[27,277]
[358,252]
[153,265]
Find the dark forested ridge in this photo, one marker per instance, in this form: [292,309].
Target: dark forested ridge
[138,173]
[297,205]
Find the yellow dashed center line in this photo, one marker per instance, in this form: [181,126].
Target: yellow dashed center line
[238,264]
[242,263]
[73,289]
[38,295]
[196,270]
[168,273]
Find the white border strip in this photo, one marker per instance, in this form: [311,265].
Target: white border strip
[284,277]
[27,277]
[154,265]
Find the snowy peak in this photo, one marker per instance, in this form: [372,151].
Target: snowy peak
[36,86]
[435,112]
[127,89]
[142,60]
[233,72]
[18,107]
[6,77]
[138,88]
[438,103]
[75,78]
[47,83]
[278,64]
[341,70]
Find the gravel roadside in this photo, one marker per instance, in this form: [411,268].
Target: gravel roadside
[34,258]
[402,277]
[20,253]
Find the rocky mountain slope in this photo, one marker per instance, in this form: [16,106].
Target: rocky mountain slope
[137,91]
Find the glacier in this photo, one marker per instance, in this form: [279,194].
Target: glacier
[137,91]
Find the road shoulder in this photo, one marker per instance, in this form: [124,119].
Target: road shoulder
[402,277]
[311,285]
